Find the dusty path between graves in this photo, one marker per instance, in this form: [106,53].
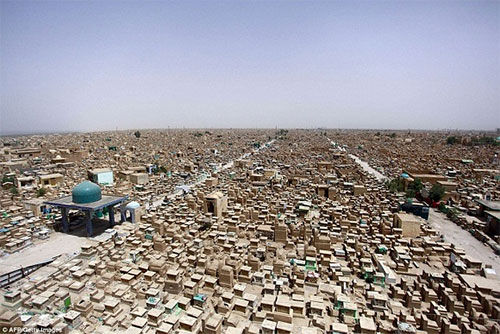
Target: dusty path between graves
[379,176]
[463,239]
[451,231]
[366,167]
[228,165]
[57,244]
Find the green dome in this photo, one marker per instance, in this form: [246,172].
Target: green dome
[86,192]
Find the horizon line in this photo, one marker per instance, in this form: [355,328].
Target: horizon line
[54,132]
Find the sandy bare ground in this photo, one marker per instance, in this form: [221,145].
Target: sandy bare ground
[57,244]
[379,176]
[463,239]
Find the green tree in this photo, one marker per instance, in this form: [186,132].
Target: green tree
[436,192]
[410,193]
[414,188]
[416,185]
[137,134]
[6,178]
[41,192]
[394,185]
[14,191]
[485,140]
[451,140]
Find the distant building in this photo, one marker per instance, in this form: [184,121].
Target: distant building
[408,223]
[216,203]
[427,177]
[491,211]
[103,176]
[139,178]
[50,179]
[25,182]
[35,205]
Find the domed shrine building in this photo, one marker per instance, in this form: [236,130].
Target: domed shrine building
[86,197]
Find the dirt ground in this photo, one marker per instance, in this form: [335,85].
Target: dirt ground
[368,168]
[463,239]
[57,244]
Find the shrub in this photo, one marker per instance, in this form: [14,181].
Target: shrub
[414,188]
[394,185]
[6,178]
[436,192]
[41,192]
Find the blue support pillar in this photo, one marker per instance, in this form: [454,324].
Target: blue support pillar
[111,216]
[123,218]
[88,223]
[64,212]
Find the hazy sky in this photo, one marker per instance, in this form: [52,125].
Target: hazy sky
[86,66]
